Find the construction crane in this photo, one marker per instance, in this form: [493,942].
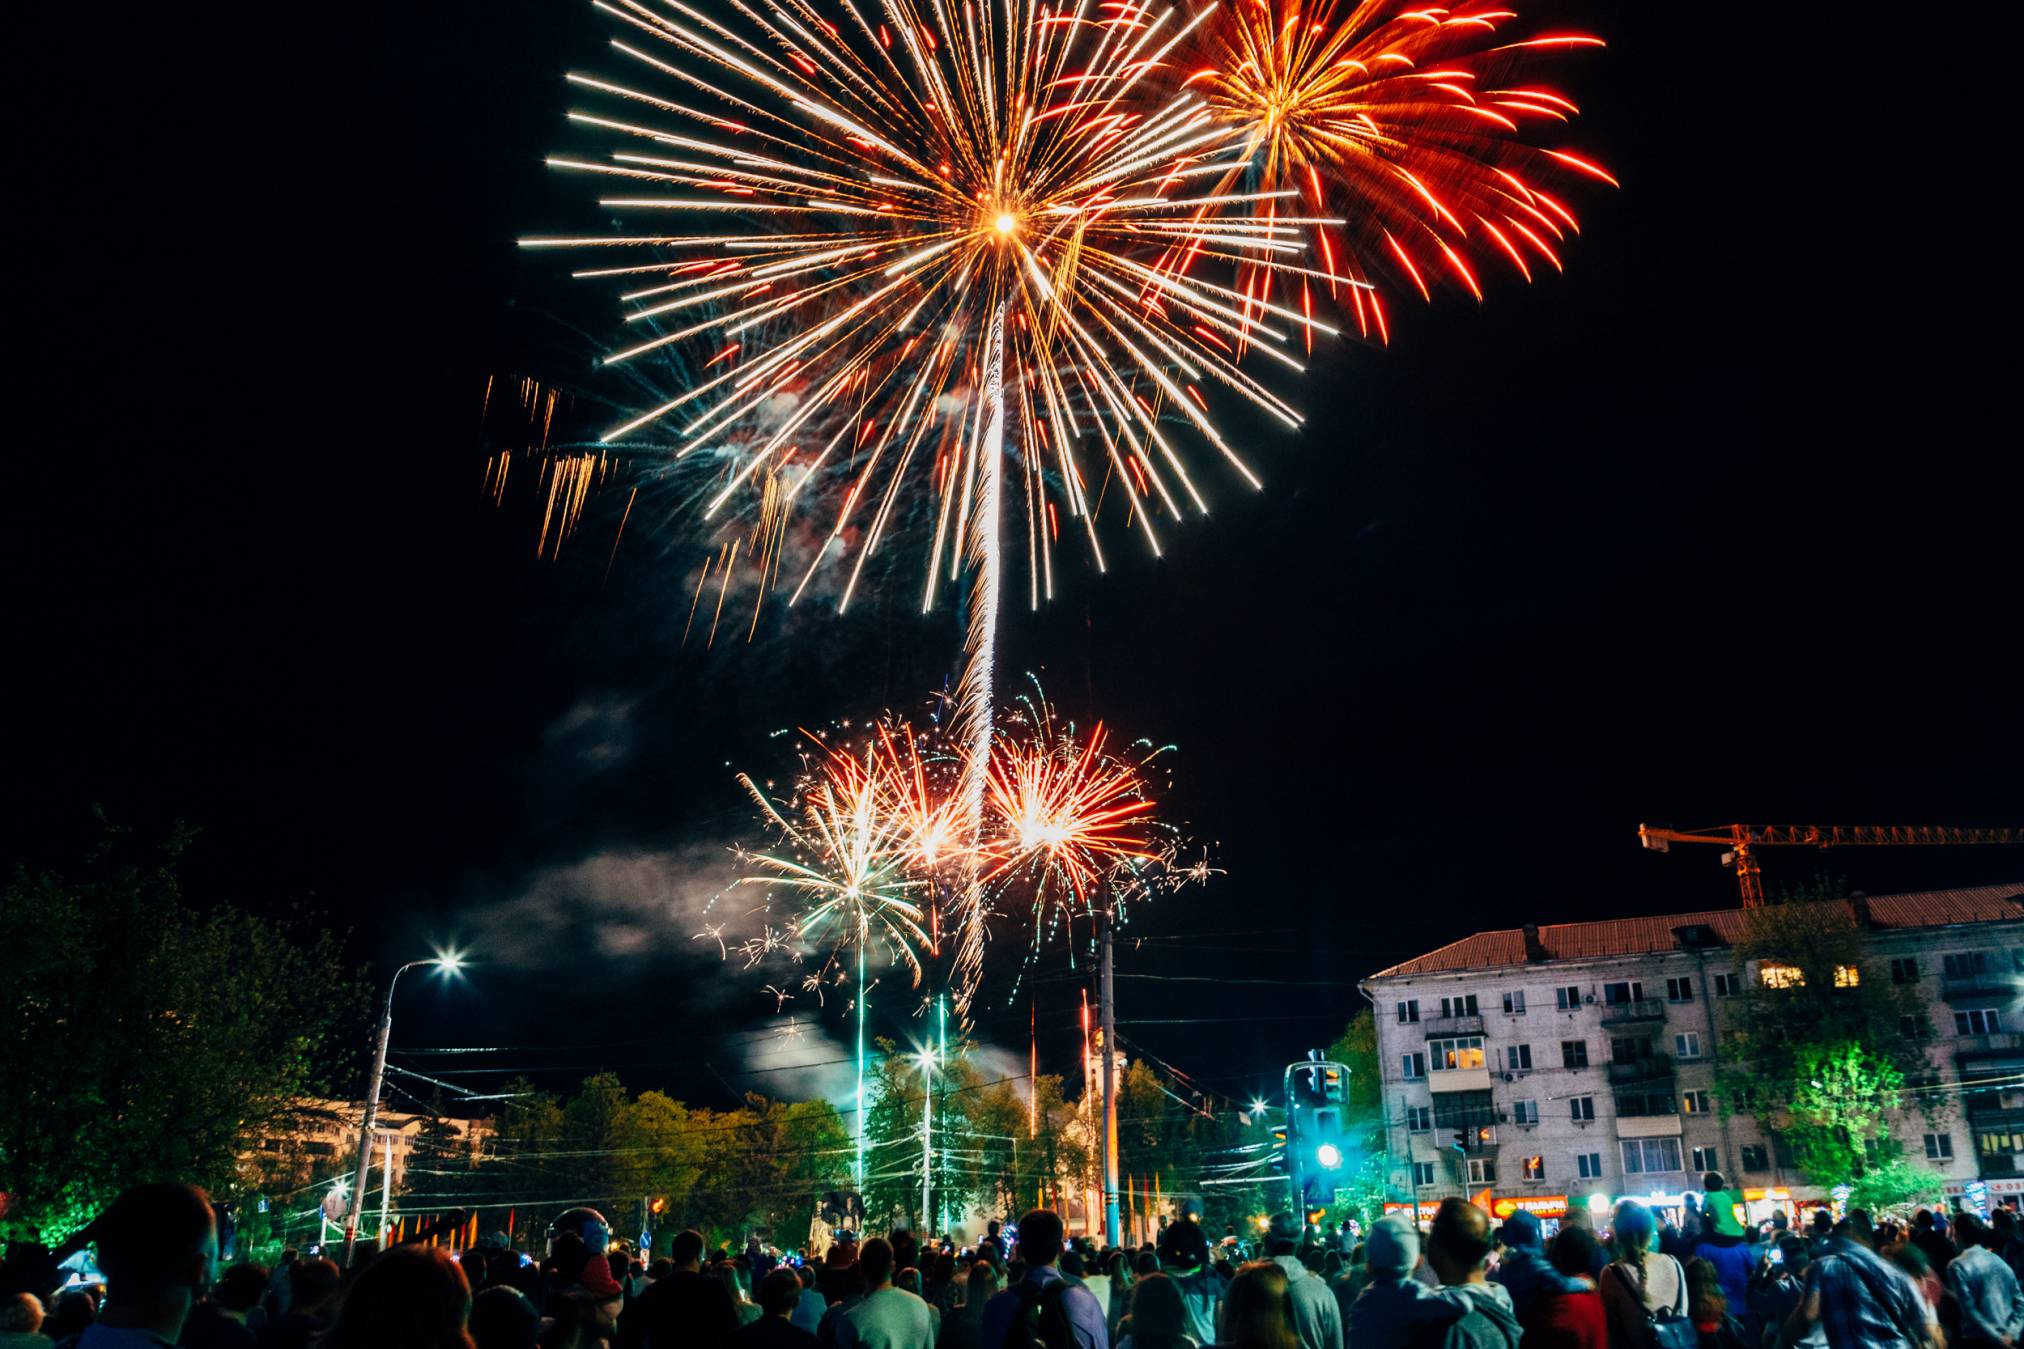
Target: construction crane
[1743,840]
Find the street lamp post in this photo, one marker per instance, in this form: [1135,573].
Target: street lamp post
[448,963]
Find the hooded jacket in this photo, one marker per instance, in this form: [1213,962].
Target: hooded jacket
[1524,1270]
[1486,1323]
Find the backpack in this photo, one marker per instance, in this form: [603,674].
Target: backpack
[1670,1327]
[1042,1319]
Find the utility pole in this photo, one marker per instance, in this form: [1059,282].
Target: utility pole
[1108,1014]
[449,964]
[927,1132]
[386,1183]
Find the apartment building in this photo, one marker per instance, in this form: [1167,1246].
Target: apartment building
[1578,1060]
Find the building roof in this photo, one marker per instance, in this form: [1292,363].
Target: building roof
[1642,936]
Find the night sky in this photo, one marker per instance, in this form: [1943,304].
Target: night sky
[1714,527]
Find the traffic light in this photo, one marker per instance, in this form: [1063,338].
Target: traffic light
[1281,1154]
[1459,1140]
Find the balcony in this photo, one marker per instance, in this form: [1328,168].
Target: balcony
[1997,1164]
[1656,1068]
[1987,1113]
[1438,1026]
[1982,984]
[1981,1048]
[1637,1009]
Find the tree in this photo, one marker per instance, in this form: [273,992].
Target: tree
[148,1039]
[1365,1184]
[1817,1055]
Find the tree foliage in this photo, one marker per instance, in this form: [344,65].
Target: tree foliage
[1817,1055]
[146,1038]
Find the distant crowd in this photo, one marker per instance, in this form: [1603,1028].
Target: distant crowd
[1707,1282]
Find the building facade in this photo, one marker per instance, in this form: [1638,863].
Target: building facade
[1551,1064]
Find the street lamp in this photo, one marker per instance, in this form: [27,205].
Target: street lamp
[449,962]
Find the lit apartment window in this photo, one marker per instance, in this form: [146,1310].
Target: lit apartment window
[1535,1169]
[1464,1051]
[1694,1102]
[1847,976]
[1773,975]
[1514,1003]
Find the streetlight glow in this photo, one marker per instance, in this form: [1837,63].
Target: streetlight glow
[1329,1155]
[449,962]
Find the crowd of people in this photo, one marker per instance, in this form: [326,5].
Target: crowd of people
[1707,1282]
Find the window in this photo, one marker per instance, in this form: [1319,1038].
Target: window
[1535,1168]
[1567,999]
[1707,1159]
[1622,992]
[1774,975]
[1514,1003]
[1482,1171]
[1687,1044]
[1581,1107]
[1415,1065]
[1461,1006]
[1939,1147]
[1419,1119]
[1914,1027]
[1904,970]
[1574,1053]
[1679,990]
[1847,976]
[1645,1103]
[1695,1103]
[1754,1158]
[315,1149]
[1726,985]
[1518,1058]
[1423,1173]
[1409,1010]
[1965,965]
[1999,1144]
[1588,1165]
[1978,1021]
[1650,1154]
[1629,1048]
[1781,1152]
[1462,1051]
[1524,1112]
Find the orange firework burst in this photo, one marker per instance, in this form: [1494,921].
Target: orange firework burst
[1409,120]
[1067,811]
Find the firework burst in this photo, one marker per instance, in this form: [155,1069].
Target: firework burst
[1409,119]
